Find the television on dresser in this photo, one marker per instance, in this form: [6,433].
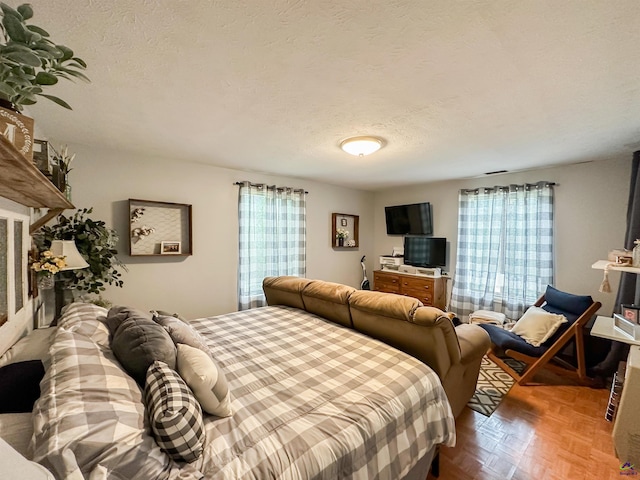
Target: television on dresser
[413,219]
[425,251]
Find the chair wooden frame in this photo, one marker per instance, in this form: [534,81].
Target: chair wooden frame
[536,363]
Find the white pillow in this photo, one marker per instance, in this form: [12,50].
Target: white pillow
[206,379]
[34,346]
[537,325]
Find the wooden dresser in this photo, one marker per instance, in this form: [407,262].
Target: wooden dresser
[430,291]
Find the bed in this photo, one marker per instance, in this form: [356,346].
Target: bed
[310,399]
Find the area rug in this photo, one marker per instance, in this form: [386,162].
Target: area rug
[493,384]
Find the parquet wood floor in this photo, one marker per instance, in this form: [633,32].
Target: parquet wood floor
[543,432]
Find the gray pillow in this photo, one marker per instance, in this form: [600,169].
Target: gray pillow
[137,341]
[182,332]
[162,313]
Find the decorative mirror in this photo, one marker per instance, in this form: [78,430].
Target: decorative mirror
[344,230]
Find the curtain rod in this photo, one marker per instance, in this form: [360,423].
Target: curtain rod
[508,187]
[262,185]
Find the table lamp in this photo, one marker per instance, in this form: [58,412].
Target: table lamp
[73,260]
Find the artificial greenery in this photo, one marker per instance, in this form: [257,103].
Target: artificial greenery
[95,242]
[30,61]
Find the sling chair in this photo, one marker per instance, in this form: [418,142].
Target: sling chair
[577,309]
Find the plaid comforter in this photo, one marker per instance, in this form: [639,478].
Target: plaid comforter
[311,400]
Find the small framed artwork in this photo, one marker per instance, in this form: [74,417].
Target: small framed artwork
[343,222]
[170,248]
[631,312]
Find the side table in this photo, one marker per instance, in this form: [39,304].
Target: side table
[626,427]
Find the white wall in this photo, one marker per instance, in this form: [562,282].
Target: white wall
[590,207]
[205,283]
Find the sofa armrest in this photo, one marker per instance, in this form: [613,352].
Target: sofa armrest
[474,342]
[443,349]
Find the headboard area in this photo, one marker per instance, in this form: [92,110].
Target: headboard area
[16,306]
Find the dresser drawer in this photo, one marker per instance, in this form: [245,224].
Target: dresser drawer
[386,283]
[417,283]
[424,297]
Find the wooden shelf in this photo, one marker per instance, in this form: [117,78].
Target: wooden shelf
[603,328]
[602,264]
[23,183]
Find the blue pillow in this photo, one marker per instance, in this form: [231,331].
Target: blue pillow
[566,302]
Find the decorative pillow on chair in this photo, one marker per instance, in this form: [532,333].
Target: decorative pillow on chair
[206,379]
[537,325]
[174,414]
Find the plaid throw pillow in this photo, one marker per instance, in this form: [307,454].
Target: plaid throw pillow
[174,413]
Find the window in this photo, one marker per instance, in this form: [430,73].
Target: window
[505,248]
[272,238]
[14,243]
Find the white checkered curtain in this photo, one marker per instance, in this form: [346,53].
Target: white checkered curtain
[528,246]
[480,217]
[505,236]
[272,242]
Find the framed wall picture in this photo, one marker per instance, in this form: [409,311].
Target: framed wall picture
[170,248]
[344,230]
[159,228]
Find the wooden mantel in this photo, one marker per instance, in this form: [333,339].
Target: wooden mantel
[23,183]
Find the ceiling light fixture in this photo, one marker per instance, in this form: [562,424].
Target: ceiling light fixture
[361,146]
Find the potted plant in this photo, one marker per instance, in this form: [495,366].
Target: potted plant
[342,235]
[30,62]
[95,242]
[46,266]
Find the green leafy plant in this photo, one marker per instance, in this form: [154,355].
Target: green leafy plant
[30,61]
[63,160]
[95,242]
[99,301]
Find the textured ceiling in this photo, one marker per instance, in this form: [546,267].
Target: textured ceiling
[456,88]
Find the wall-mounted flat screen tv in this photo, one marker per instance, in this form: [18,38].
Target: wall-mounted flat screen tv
[425,251]
[414,219]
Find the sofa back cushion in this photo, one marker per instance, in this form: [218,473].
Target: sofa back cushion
[328,300]
[284,291]
[389,318]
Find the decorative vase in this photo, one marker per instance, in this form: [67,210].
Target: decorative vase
[45,282]
[59,179]
[340,242]
[636,256]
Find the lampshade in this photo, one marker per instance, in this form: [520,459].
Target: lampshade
[361,146]
[67,249]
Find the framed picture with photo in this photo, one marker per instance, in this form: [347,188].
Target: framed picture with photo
[170,248]
[159,228]
[631,312]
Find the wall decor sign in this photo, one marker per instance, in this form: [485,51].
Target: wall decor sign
[18,129]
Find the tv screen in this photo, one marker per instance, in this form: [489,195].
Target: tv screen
[414,219]
[425,251]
